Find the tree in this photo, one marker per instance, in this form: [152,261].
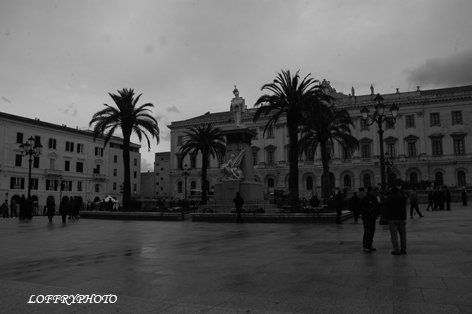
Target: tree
[207,140]
[323,125]
[130,119]
[288,96]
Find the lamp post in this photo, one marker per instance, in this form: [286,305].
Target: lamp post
[32,149]
[389,166]
[379,116]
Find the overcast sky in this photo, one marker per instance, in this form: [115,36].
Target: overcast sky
[59,59]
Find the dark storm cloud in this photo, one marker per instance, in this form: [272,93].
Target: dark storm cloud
[452,70]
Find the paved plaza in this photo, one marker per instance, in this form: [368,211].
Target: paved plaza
[188,267]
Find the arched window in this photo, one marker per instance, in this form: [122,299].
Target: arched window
[347,181]
[309,183]
[270,183]
[438,179]
[193,185]
[366,180]
[461,180]
[413,178]
[179,187]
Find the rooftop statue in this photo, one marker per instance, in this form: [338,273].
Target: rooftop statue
[231,168]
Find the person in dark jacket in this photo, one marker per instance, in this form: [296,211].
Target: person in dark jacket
[50,208]
[414,203]
[354,204]
[430,199]
[370,213]
[396,215]
[339,205]
[238,203]
[64,208]
[464,196]
[447,197]
[23,203]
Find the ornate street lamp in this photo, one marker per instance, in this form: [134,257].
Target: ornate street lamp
[379,116]
[32,149]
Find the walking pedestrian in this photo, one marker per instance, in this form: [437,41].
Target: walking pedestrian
[238,203]
[354,204]
[464,196]
[442,198]
[369,212]
[414,203]
[447,197]
[436,199]
[4,209]
[22,202]
[396,215]
[339,205]
[51,208]
[63,208]
[430,199]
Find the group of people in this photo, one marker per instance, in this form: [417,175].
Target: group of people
[22,208]
[69,206]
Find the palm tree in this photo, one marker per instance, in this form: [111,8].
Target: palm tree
[207,140]
[130,119]
[324,125]
[288,97]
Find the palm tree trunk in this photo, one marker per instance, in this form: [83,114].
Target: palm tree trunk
[204,177]
[325,179]
[127,173]
[293,162]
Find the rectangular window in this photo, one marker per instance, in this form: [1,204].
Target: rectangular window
[389,123]
[410,121]
[17,183]
[391,149]
[52,143]
[180,162]
[67,165]
[80,148]
[135,187]
[36,162]
[115,159]
[365,151]
[459,146]
[434,119]
[69,147]
[115,172]
[97,188]
[456,117]
[270,157]
[19,138]
[79,186]
[364,124]
[18,159]
[66,185]
[96,170]
[255,160]
[51,185]
[99,151]
[180,140]
[114,186]
[270,132]
[436,144]
[79,167]
[135,162]
[37,140]
[34,184]
[52,164]
[411,149]
[135,174]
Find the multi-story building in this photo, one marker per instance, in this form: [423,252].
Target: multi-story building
[155,185]
[430,140]
[69,156]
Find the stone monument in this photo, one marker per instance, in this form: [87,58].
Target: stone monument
[237,171]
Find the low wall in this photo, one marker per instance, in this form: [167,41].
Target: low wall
[271,217]
[131,215]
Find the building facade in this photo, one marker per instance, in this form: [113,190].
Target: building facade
[429,141]
[70,158]
[155,185]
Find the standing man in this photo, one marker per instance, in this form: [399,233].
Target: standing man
[430,199]
[4,209]
[414,203]
[339,205]
[447,197]
[354,206]
[238,203]
[464,196]
[369,212]
[396,215]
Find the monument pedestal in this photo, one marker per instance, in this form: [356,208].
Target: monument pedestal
[251,192]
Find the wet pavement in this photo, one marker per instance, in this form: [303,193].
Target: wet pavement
[190,267]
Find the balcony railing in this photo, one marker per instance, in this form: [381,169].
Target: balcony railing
[99,177]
